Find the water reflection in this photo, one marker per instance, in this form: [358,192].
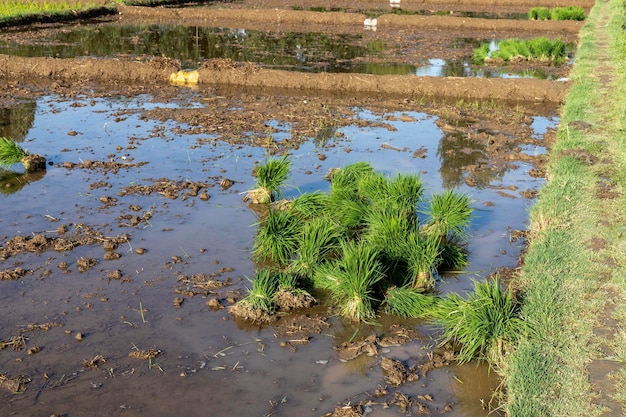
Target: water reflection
[294,51]
[16,121]
[12,182]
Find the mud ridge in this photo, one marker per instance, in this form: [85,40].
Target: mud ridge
[132,71]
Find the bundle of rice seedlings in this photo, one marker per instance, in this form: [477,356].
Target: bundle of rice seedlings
[567,13]
[349,176]
[327,275]
[270,178]
[453,255]
[386,228]
[541,49]
[310,205]
[482,53]
[539,13]
[423,257]
[289,296]
[278,237]
[407,190]
[359,271]
[449,215]
[485,324]
[373,186]
[347,208]
[319,241]
[408,302]
[258,305]
[11,153]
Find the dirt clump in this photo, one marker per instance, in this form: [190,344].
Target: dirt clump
[14,385]
[200,284]
[393,371]
[287,300]
[13,274]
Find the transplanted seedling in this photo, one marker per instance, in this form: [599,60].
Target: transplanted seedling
[364,239]
[485,324]
[270,178]
[11,153]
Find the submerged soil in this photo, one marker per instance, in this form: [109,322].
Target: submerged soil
[118,280]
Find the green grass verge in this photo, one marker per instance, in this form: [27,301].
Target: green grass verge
[568,286]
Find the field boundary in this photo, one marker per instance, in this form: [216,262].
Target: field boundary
[572,283]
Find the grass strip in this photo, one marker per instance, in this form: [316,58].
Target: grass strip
[569,283]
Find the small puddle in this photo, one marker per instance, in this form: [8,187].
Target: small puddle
[293,51]
[208,360]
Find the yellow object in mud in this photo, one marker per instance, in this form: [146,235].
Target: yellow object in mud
[184,77]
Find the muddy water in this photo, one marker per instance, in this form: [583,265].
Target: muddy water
[294,51]
[210,364]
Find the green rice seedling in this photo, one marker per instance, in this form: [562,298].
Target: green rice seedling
[373,187]
[261,294]
[453,255]
[557,13]
[407,189]
[485,324]
[386,227]
[289,295]
[359,271]
[349,176]
[539,13]
[347,208]
[408,302]
[567,13]
[270,178]
[310,205]
[278,237]
[327,275]
[512,48]
[423,256]
[481,53]
[404,189]
[449,215]
[538,49]
[11,153]
[545,49]
[319,241]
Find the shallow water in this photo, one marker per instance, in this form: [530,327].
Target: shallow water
[210,363]
[294,51]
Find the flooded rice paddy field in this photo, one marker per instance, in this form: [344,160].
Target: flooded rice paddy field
[119,263]
[143,196]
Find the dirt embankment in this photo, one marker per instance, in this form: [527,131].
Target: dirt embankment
[386,86]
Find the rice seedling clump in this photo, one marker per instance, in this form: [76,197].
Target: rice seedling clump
[536,49]
[374,242]
[11,153]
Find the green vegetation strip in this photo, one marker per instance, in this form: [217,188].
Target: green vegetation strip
[19,13]
[557,13]
[574,273]
[536,49]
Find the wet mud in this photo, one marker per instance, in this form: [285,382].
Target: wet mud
[122,262]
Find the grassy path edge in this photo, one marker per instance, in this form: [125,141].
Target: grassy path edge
[574,278]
